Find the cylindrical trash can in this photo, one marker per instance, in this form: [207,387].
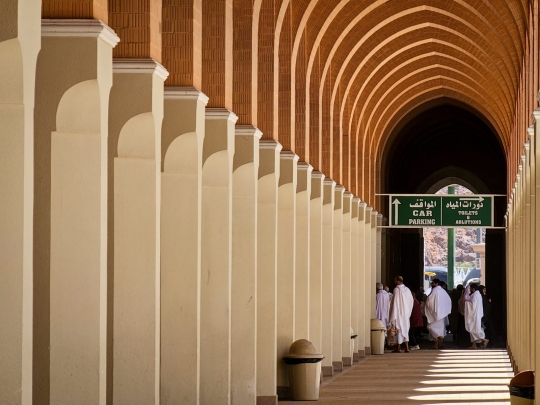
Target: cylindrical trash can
[522,388]
[304,371]
[377,336]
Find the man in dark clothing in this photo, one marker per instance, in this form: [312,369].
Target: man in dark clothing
[486,306]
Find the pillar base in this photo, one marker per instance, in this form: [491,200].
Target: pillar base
[327,371]
[267,400]
[347,361]
[338,366]
[367,351]
[361,354]
[356,358]
[283,393]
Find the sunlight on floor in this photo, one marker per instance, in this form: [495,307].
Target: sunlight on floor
[451,379]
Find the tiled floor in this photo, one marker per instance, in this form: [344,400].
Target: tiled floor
[422,377]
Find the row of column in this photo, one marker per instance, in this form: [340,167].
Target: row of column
[522,224]
[156,252]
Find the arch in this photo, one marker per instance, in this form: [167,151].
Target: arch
[79,109]
[137,137]
[452,175]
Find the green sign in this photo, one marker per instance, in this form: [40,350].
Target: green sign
[460,211]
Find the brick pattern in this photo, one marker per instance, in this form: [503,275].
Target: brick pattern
[75,9]
[265,74]
[138,24]
[244,85]
[217,52]
[182,42]
[359,68]
[284,90]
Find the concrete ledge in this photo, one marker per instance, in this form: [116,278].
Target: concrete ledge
[338,366]
[347,361]
[327,371]
[355,358]
[267,400]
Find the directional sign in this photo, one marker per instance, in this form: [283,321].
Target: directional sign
[415,210]
[467,211]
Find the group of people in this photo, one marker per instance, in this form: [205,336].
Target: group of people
[401,311]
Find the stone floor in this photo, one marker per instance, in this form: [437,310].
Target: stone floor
[422,377]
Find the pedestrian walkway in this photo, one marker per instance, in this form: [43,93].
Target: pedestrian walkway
[423,377]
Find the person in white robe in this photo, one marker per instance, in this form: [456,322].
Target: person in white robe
[474,312]
[388,292]
[382,305]
[438,306]
[400,313]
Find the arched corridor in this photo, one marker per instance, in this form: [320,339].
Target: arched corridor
[189,186]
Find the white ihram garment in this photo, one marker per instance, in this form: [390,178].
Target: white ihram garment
[438,306]
[473,317]
[382,308]
[400,311]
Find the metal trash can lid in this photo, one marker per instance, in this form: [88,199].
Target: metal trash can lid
[522,385]
[303,349]
[377,324]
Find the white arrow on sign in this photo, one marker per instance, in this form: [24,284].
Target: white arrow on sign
[479,199]
[396,204]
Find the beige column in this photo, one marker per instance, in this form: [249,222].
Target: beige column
[315,259]
[374,258]
[535,238]
[267,243]
[346,277]
[244,266]
[361,328]
[337,329]
[216,246]
[329,186]
[135,118]
[74,77]
[354,276]
[181,185]
[531,253]
[302,266]
[286,264]
[369,277]
[378,248]
[20,41]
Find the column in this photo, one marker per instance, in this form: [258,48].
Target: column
[329,186]
[337,331]
[135,118]
[364,332]
[531,185]
[315,259]
[355,269]
[374,261]
[19,46]
[181,186]
[286,265]
[378,248]
[244,266]
[346,353]
[369,277]
[216,246]
[267,243]
[535,239]
[74,77]
[302,265]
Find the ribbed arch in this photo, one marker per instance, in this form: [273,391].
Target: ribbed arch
[341,70]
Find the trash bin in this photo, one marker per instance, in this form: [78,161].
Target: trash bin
[522,388]
[304,371]
[377,336]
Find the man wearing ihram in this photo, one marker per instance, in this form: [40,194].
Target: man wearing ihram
[438,306]
[400,313]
